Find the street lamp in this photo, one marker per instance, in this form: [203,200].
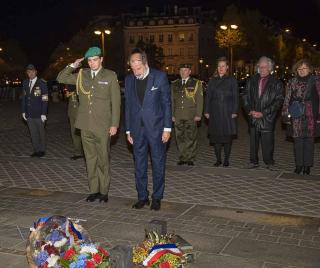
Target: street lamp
[200,73]
[102,33]
[0,48]
[225,28]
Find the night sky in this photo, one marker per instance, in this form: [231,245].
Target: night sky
[41,24]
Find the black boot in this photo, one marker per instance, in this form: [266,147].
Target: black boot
[298,169]
[217,151]
[306,170]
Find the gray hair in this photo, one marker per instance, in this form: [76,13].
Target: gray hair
[267,60]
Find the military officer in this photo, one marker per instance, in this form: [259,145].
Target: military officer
[98,117]
[34,109]
[73,104]
[187,105]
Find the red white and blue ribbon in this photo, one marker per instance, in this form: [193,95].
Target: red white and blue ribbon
[159,250]
[73,234]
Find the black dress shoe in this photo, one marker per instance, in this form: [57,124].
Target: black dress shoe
[75,157]
[103,198]
[140,204]
[218,163]
[180,163]
[35,154]
[226,163]
[93,197]
[41,154]
[190,163]
[306,170]
[155,205]
[298,169]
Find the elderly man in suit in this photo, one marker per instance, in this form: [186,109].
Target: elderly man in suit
[34,109]
[148,125]
[98,117]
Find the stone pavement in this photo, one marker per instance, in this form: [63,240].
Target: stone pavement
[234,217]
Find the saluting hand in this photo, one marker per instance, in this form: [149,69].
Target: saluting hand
[77,63]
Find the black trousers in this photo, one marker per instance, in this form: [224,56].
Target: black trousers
[227,150]
[266,138]
[304,151]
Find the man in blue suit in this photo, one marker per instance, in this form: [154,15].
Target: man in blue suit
[148,125]
[34,109]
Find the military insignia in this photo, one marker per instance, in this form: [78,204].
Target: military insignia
[153,88]
[103,82]
[45,97]
[37,92]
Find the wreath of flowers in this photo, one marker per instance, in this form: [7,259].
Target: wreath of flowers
[158,251]
[58,242]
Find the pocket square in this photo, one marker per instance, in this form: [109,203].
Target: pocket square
[103,82]
[153,88]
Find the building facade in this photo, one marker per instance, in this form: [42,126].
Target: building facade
[176,35]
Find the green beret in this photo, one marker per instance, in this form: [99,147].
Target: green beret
[185,65]
[93,51]
[30,67]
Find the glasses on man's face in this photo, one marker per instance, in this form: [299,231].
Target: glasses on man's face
[303,69]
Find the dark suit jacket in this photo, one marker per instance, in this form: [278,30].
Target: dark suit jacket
[155,111]
[268,103]
[34,103]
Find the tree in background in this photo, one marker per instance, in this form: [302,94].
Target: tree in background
[154,53]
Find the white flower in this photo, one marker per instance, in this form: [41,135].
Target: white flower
[52,260]
[88,249]
[60,243]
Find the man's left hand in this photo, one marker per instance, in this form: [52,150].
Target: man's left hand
[113,131]
[165,136]
[197,118]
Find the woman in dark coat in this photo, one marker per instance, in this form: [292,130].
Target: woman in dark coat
[222,104]
[304,90]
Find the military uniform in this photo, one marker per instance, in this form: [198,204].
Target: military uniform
[73,105]
[187,103]
[34,105]
[99,109]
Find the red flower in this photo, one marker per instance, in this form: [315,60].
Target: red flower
[51,249]
[89,264]
[102,251]
[69,253]
[45,265]
[165,264]
[97,258]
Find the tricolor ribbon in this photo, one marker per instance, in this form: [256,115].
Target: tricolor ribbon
[159,250]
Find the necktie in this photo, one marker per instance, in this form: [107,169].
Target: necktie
[260,86]
[93,75]
[30,84]
[183,82]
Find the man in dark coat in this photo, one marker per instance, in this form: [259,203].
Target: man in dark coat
[262,99]
[34,109]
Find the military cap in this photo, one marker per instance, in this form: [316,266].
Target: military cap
[30,67]
[93,51]
[185,65]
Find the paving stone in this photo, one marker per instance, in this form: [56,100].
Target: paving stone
[273,252]
[268,238]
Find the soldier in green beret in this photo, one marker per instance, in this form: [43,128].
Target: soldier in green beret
[98,117]
[187,106]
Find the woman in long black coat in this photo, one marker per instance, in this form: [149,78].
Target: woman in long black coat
[222,104]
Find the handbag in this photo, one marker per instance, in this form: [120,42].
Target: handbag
[296,109]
